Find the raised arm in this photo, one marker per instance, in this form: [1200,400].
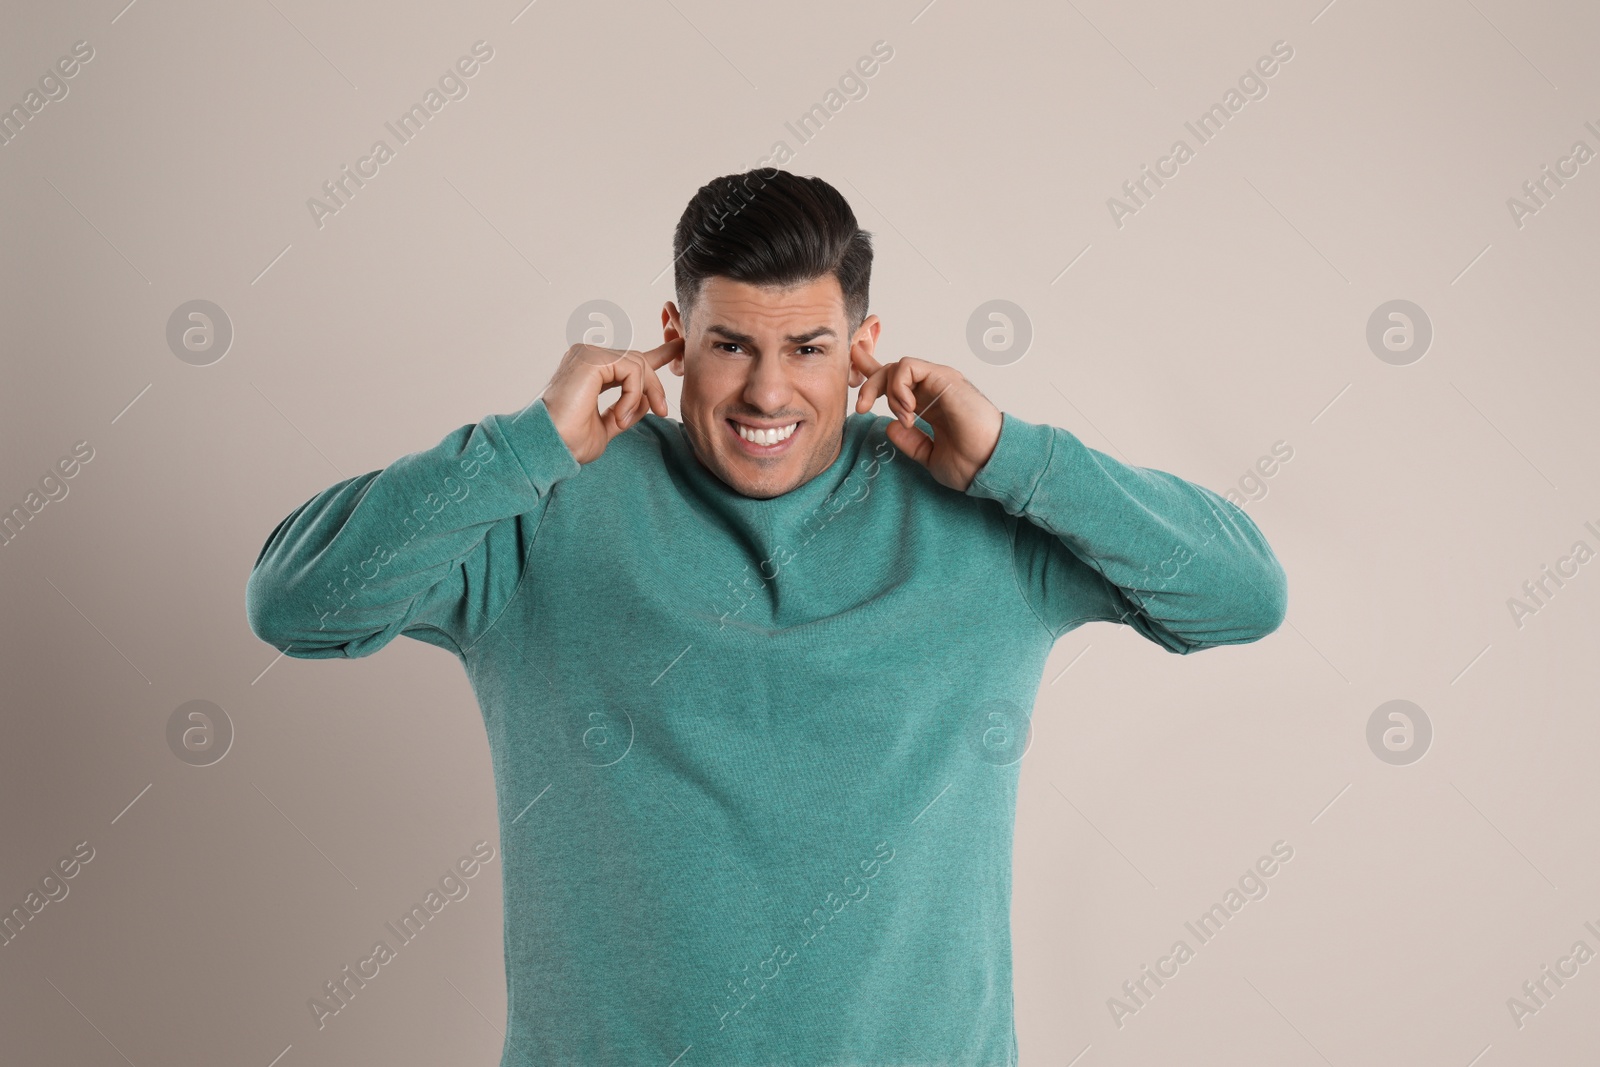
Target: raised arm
[1095,539]
[1098,539]
[435,544]
[430,546]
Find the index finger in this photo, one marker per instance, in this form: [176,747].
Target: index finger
[862,361]
[664,353]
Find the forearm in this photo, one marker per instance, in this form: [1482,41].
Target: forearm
[1191,569]
[364,559]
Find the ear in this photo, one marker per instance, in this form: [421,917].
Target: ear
[671,330]
[866,341]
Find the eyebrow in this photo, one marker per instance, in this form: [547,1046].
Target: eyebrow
[794,338]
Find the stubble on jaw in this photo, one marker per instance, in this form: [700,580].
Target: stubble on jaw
[695,447]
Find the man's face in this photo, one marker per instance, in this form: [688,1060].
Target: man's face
[757,360]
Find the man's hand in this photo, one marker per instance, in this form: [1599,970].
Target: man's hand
[586,371]
[965,423]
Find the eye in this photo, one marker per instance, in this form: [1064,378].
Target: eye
[814,350]
[724,345]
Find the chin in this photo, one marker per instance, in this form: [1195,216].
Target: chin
[758,488]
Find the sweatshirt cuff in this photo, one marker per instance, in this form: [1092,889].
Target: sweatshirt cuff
[538,446]
[1019,460]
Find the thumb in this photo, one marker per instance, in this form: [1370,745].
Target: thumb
[910,440]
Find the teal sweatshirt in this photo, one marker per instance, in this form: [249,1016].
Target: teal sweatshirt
[756,761]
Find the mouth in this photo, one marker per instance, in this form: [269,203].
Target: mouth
[756,439]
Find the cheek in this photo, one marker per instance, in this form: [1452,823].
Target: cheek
[711,377]
[828,387]
[823,377]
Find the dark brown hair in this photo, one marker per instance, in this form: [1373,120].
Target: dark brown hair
[769,227]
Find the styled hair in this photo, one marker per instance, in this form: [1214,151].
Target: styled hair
[771,228]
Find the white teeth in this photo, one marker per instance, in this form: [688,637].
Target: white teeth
[765,437]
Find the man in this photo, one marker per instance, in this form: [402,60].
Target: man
[757,683]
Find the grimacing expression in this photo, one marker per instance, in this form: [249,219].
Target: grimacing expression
[766,377]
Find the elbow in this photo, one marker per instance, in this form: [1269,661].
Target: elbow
[278,613]
[264,600]
[1262,614]
[1273,603]
[284,613]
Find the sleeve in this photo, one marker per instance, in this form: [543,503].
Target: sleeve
[432,546]
[1099,540]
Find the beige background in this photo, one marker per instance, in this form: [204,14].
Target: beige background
[1227,315]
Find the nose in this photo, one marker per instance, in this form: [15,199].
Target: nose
[768,387]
